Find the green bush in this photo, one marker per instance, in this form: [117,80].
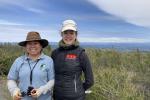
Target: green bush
[117,75]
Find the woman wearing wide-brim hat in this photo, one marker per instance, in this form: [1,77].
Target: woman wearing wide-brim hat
[70,61]
[31,76]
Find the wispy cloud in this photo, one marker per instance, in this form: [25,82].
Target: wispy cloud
[96,17]
[132,11]
[32,6]
[13,33]
[16,33]
[114,40]
[35,10]
[4,22]
[45,16]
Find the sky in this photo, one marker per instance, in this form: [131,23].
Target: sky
[103,21]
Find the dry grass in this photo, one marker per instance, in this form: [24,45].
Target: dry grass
[117,75]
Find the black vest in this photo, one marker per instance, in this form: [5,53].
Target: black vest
[68,72]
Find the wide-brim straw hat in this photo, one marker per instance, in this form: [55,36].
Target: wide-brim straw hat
[34,36]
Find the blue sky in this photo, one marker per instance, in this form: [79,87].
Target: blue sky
[97,20]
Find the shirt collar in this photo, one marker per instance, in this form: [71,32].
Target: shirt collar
[40,57]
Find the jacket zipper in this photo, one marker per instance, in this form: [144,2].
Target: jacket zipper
[75,84]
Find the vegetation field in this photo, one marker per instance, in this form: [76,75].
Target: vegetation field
[117,75]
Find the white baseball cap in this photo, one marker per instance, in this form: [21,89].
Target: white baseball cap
[69,25]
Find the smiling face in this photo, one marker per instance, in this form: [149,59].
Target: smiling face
[33,48]
[69,37]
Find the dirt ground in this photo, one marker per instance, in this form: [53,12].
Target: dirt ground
[4,94]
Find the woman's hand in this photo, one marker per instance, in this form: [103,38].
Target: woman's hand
[35,93]
[17,95]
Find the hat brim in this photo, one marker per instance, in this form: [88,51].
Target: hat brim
[43,42]
[68,28]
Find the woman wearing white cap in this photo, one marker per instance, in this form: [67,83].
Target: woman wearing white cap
[70,60]
[31,77]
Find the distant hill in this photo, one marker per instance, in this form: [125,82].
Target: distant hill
[117,46]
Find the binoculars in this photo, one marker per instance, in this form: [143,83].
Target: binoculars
[30,88]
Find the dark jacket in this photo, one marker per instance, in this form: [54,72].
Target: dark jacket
[69,63]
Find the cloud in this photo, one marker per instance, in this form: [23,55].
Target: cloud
[16,33]
[114,40]
[32,6]
[35,10]
[4,22]
[132,11]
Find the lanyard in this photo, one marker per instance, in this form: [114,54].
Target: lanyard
[31,70]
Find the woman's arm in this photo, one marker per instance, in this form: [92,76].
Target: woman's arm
[14,90]
[86,67]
